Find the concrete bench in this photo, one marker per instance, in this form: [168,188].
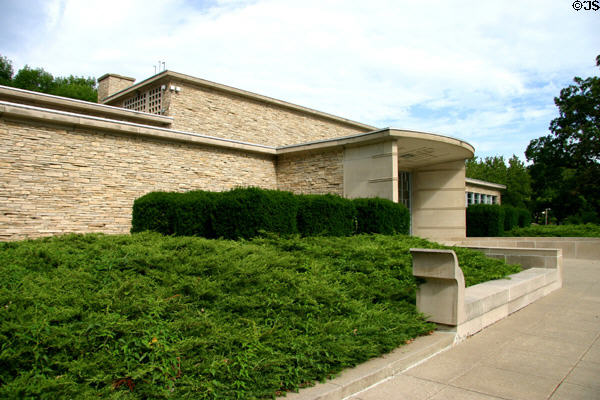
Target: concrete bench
[445,300]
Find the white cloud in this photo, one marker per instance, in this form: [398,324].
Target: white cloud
[486,71]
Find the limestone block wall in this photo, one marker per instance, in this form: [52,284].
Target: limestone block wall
[311,173]
[586,248]
[112,83]
[57,180]
[226,115]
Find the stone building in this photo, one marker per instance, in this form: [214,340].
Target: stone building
[75,166]
[482,192]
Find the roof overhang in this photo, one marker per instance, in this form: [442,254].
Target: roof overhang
[484,184]
[415,149]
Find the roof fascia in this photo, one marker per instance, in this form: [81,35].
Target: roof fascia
[80,105]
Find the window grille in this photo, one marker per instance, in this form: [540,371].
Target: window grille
[137,103]
[155,101]
[149,101]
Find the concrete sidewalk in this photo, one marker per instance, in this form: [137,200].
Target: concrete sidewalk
[548,350]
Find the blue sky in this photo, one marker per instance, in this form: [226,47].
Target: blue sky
[482,71]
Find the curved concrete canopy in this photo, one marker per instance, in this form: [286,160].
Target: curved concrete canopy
[415,149]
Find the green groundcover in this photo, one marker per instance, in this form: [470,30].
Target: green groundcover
[150,316]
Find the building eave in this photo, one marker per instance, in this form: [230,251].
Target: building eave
[484,184]
[15,111]
[410,145]
[44,100]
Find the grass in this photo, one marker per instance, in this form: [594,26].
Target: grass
[584,230]
[147,316]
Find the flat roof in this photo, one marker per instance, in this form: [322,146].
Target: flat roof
[486,184]
[441,148]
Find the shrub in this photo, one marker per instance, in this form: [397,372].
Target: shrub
[181,214]
[511,217]
[524,217]
[154,212]
[587,230]
[243,213]
[194,213]
[146,316]
[485,220]
[377,215]
[325,215]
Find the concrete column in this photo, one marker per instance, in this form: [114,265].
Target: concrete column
[438,206]
[372,171]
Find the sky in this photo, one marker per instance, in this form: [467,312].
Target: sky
[485,72]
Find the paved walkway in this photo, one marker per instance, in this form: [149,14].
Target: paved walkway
[548,350]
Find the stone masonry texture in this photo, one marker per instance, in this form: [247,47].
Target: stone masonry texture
[57,180]
[215,113]
[317,173]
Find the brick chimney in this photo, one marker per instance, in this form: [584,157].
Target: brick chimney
[109,84]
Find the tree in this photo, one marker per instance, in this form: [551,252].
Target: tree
[76,88]
[491,169]
[39,80]
[518,184]
[515,176]
[566,163]
[6,71]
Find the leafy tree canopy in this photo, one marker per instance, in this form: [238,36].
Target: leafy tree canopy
[39,80]
[566,163]
[515,176]
[6,71]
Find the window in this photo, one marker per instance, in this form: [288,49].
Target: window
[470,199]
[404,189]
[479,198]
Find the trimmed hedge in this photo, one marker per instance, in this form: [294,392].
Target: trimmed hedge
[524,217]
[376,215]
[493,220]
[194,214]
[244,213]
[485,220]
[155,212]
[587,230]
[511,217]
[325,215]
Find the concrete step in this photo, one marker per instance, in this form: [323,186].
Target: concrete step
[363,376]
